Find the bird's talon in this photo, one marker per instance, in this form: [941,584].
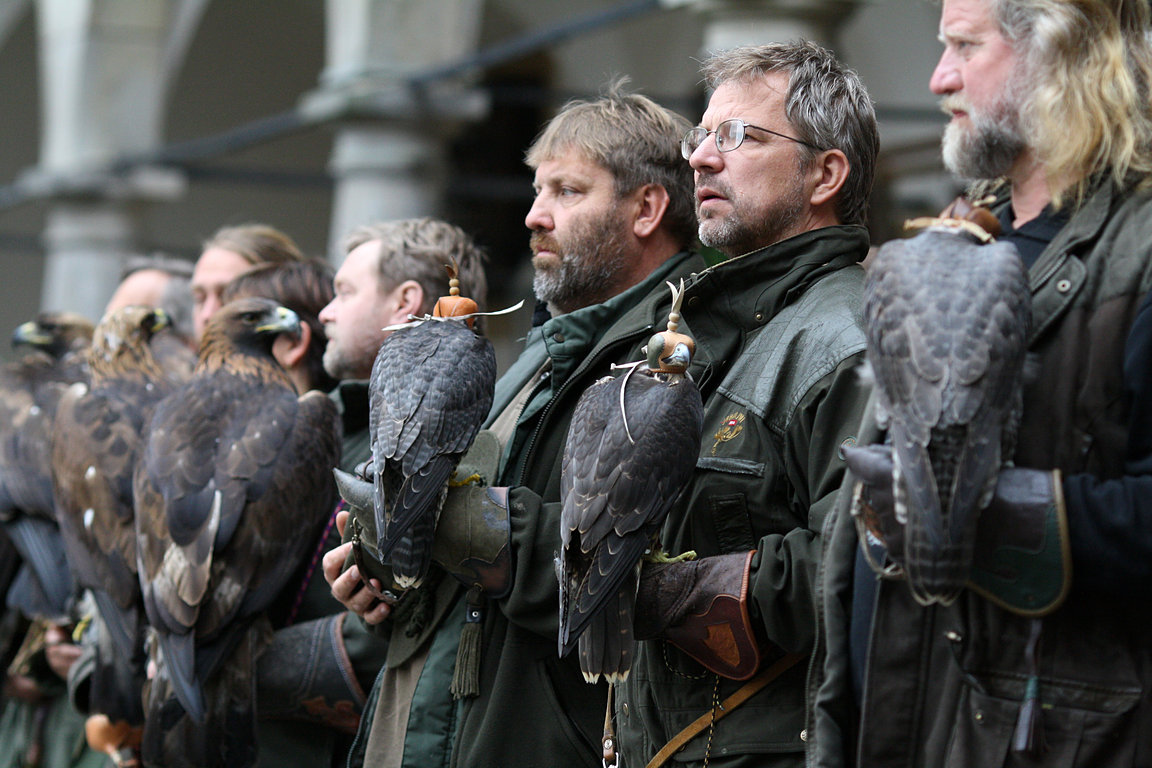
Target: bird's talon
[472,479]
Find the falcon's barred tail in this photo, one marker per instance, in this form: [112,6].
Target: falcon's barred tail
[405,540]
[606,643]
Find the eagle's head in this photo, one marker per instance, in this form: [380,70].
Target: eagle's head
[122,337]
[250,324]
[55,333]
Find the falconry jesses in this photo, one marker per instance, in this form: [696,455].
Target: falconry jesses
[431,388]
[947,321]
[96,444]
[233,487]
[631,449]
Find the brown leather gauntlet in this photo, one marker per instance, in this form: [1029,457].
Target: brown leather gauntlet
[701,607]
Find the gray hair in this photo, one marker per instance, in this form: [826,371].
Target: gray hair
[633,138]
[418,249]
[1091,63]
[827,105]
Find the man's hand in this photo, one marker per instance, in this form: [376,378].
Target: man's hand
[346,585]
[60,652]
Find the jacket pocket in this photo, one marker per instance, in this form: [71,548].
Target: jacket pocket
[1073,736]
[578,743]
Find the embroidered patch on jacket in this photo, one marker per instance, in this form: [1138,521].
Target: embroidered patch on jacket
[733,425]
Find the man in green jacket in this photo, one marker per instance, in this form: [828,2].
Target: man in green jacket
[783,159]
[313,677]
[612,220]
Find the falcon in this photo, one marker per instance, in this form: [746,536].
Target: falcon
[96,442]
[431,388]
[947,321]
[234,484]
[630,452]
[51,349]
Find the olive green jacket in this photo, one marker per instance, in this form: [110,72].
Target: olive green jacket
[534,709]
[779,336]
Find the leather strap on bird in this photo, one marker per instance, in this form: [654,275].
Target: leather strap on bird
[725,708]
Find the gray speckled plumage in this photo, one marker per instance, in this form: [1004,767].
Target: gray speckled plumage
[616,494]
[431,389]
[947,322]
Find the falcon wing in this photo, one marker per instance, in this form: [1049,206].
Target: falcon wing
[947,324]
[431,390]
[616,494]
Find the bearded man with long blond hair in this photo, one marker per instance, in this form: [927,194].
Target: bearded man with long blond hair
[1046,661]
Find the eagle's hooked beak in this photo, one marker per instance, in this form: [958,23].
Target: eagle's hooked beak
[286,321]
[29,333]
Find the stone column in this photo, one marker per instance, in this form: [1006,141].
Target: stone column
[731,23]
[389,151]
[105,68]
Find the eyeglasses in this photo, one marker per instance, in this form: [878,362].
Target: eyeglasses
[729,135]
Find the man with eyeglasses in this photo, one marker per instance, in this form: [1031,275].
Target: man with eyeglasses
[783,160]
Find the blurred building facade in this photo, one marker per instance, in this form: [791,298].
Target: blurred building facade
[134,126]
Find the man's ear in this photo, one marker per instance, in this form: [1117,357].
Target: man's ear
[408,299]
[829,172]
[651,203]
[290,350]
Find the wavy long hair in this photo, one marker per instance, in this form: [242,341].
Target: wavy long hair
[1090,111]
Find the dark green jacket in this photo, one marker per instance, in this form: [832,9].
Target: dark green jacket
[778,335]
[534,709]
[944,685]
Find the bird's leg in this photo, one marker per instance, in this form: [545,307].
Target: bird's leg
[459,482]
[660,556]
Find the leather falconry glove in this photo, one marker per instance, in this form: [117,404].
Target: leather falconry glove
[701,607]
[473,531]
[1021,560]
[305,674]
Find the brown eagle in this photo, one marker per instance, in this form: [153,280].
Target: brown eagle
[631,449]
[96,443]
[51,350]
[234,483]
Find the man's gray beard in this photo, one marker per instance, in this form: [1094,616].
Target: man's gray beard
[735,236]
[334,364]
[589,267]
[988,150]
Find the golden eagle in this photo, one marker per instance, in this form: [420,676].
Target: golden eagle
[234,483]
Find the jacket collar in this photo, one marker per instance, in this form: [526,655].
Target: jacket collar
[569,337]
[748,291]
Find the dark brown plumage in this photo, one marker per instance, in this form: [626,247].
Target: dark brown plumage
[51,349]
[235,468]
[631,449]
[96,444]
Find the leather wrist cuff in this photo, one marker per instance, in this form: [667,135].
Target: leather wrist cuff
[473,538]
[305,674]
[701,607]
